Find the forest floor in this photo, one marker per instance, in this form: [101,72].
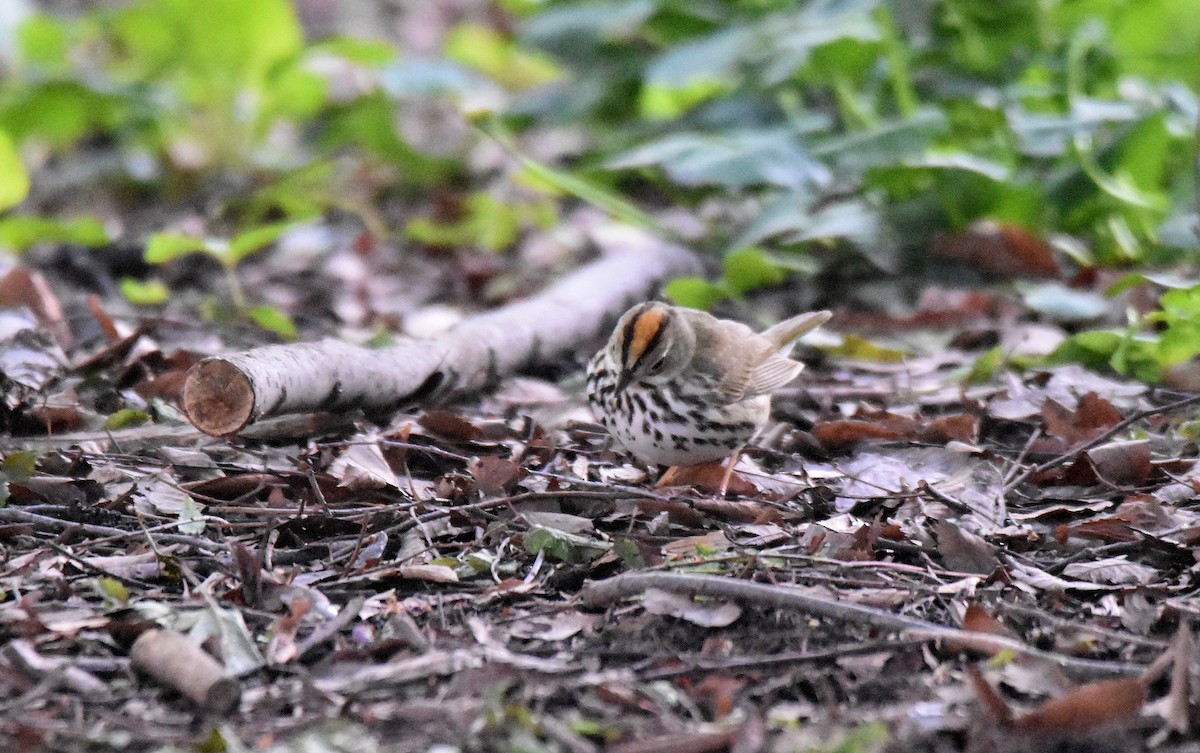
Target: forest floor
[400,582]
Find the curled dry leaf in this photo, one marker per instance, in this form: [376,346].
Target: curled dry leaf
[496,476]
[1004,250]
[449,426]
[1112,570]
[1122,463]
[432,573]
[1093,416]
[363,466]
[1088,707]
[707,613]
[964,552]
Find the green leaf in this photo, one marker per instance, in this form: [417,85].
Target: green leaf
[249,241]
[370,52]
[567,547]
[165,247]
[862,349]
[112,590]
[694,292]
[750,269]
[484,49]
[630,554]
[732,159]
[125,418]
[1158,38]
[369,123]
[885,144]
[1119,187]
[209,50]
[488,223]
[985,366]
[19,232]
[14,181]
[60,112]
[1121,351]
[191,517]
[43,40]
[273,320]
[667,103]
[148,293]
[20,465]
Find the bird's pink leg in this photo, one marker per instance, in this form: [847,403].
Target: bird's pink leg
[724,487]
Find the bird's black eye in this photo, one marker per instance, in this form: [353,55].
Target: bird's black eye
[657,365]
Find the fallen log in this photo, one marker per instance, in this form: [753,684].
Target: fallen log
[224,394]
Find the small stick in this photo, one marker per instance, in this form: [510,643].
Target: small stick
[178,662]
[1115,429]
[602,592]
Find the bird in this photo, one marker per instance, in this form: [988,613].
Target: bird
[677,386]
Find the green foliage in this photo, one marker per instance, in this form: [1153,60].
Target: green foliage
[14,182]
[1135,352]
[1009,111]
[19,232]
[486,223]
[126,418]
[829,135]
[273,320]
[167,247]
[482,48]
[745,269]
[199,86]
[148,293]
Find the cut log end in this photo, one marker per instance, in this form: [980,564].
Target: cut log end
[174,660]
[218,397]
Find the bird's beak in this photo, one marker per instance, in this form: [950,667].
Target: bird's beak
[623,381]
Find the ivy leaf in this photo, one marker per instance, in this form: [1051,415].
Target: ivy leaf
[148,293]
[274,320]
[750,269]
[249,241]
[694,292]
[14,181]
[19,232]
[165,247]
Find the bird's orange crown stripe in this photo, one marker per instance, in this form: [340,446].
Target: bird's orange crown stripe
[644,327]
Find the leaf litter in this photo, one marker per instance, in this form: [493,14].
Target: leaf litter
[438,556]
[425,569]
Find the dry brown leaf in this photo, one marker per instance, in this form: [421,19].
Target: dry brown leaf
[708,476]
[706,613]
[1104,529]
[496,476]
[962,551]
[1088,707]
[1093,416]
[449,426]
[1122,463]
[1004,250]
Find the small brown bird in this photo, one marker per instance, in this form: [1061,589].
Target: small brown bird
[677,386]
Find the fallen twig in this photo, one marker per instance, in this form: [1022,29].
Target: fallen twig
[602,592]
[223,394]
[1108,434]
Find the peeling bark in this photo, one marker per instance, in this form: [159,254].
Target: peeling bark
[224,394]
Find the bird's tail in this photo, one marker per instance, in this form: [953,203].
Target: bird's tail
[786,332]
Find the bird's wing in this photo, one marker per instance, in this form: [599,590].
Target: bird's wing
[772,374]
[759,374]
[786,332]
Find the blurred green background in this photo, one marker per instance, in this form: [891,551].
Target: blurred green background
[835,141]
